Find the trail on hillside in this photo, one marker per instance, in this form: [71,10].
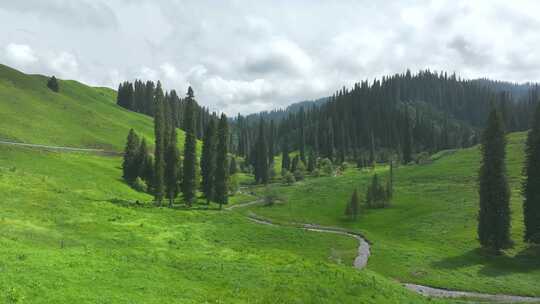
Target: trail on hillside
[364,251]
[58,148]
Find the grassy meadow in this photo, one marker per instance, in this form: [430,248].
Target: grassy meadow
[70,232]
[428,235]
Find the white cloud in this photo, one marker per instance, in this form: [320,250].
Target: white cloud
[65,64]
[250,56]
[20,54]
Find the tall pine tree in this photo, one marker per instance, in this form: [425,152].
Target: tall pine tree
[531,184]
[172,159]
[208,161]
[130,166]
[494,213]
[159,153]
[261,157]
[222,176]
[189,185]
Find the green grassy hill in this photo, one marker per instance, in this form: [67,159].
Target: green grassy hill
[70,231]
[428,235]
[79,115]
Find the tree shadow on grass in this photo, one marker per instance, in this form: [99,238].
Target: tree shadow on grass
[493,265]
[177,207]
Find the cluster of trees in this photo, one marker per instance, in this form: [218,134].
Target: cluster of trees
[167,174]
[137,167]
[494,212]
[138,96]
[52,84]
[400,115]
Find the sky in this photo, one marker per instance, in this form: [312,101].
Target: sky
[250,56]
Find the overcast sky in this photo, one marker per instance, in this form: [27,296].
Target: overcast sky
[247,56]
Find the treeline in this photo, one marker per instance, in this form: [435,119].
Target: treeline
[166,174]
[397,116]
[138,96]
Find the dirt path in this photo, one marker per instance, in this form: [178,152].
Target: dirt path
[59,148]
[443,293]
[364,251]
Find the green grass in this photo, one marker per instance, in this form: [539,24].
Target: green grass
[428,235]
[69,233]
[77,116]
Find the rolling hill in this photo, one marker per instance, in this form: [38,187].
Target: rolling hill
[78,116]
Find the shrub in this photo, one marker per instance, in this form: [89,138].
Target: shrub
[288,178]
[343,166]
[139,185]
[271,196]
[234,184]
[316,173]
[327,167]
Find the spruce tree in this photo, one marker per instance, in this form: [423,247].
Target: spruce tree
[233,167]
[130,165]
[145,163]
[271,143]
[531,184]
[172,159]
[407,144]
[494,212]
[285,160]
[159,153]
[208,161]
[353,207]
[52,84]
[189,185]
[222,177]
[261,157]
[312,162]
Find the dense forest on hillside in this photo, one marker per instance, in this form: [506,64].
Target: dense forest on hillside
[138,96]
[397,115]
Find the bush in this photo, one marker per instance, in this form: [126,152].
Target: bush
[298,175]
[343,166]
[316,173]
[271,196]
[140,185]
[234,184]
[288,178]
[327,167]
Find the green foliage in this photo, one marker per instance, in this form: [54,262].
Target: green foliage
[271,196]
[222,166]
[158,183]
[531,183]
[377,194]
[208,161]
[353,207]
[233,166]
[327,167]
[285,160]
[312,162]
[288,178]
[140,185]
[52,84]
[233,184]
[189,181]
[130,164]
[494,192]
[261,166]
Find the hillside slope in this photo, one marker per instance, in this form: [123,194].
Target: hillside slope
[78,116]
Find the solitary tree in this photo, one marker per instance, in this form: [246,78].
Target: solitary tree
[222,177]
[208,161]
[190,157]
[353,207]
[494,213]
[52,84]
[531,184]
